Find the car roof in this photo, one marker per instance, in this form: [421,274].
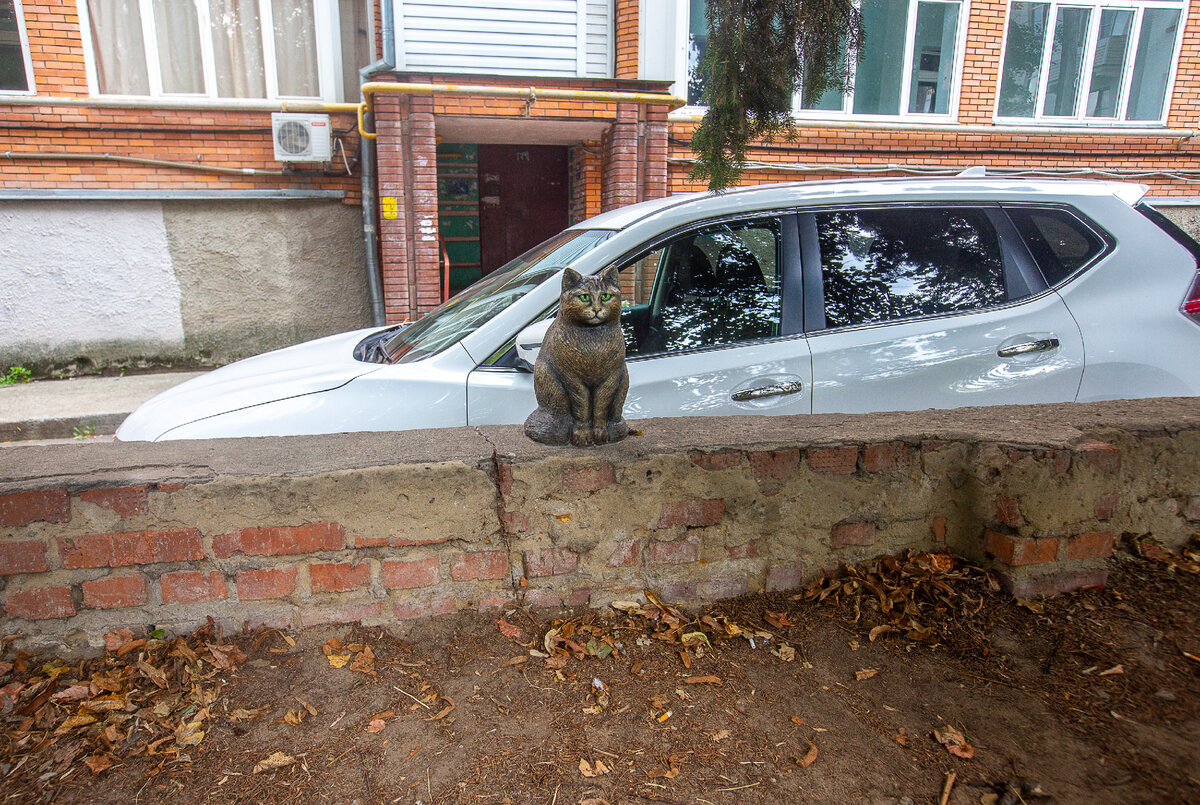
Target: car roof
[815,193]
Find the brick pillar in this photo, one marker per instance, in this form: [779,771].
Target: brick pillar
[621,177]
[407,153]
[635,156]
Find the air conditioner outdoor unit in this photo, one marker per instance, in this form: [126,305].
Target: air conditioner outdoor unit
[301,138]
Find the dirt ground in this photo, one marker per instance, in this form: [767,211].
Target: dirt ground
[1092,697]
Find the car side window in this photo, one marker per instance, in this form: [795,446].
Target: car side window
[1060,243]
[708,288]
[880,265]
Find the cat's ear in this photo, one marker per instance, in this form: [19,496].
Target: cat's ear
[571,278]
[610,276]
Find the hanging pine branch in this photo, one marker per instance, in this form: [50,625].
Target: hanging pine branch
[759,52]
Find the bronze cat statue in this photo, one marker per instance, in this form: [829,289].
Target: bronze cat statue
[580,378]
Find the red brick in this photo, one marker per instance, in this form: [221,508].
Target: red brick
[426,608]
[1008,511]
[1062,581]
[550,562]
[494,600]
[715,461]
[41,603]
[1092,545]
[579,597]
[834,460]
[169,488]
[479,565]
[716,589]
[773,464]
[844,534]
[588,479]
[126,501]
[269,582]
[624,554]
[338,577]
[281,540]
[886,457]
[504,478]
[1101,455]
[1018,551]
[22,508]
[784,577]
[192,587]
[677,552]
[514,522]
[28,556]
[692,513]
[133,548]
[744,551]
[407,575]
[115,592]
[938,529]
[537,597]
[1106,506]
[351,613]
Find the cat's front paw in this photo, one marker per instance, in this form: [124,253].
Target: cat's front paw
[583,436]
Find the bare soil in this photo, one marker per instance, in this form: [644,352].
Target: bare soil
[1087,698]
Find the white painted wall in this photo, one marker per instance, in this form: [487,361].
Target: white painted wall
[78,272]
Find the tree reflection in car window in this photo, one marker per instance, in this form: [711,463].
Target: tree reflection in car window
[883,265]
[715,286]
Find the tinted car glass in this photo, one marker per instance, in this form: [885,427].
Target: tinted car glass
[889,264]
[1060,243]
[714,286]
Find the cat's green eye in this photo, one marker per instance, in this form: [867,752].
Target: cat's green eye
[604,297]
[585,297]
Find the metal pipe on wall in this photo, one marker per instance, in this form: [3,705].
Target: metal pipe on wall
[370,202]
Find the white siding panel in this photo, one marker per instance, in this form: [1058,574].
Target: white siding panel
[509,37]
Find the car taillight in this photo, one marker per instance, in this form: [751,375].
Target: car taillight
[1191,304]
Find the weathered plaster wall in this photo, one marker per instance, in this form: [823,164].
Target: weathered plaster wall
[177,281]
[82,277]
[381,528]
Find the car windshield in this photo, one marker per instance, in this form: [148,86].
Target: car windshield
[473,307]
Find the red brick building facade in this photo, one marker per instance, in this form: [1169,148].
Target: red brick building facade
[72,127]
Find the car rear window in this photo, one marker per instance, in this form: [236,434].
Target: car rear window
[1060,243]
[881,265]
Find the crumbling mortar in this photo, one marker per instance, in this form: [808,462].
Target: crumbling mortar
[501,533]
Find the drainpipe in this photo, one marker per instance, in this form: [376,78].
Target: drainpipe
[370,205]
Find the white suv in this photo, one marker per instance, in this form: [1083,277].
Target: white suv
[784,299]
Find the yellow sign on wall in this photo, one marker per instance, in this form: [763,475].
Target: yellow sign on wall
[388,205]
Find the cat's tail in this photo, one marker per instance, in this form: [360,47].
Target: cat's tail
[547,428]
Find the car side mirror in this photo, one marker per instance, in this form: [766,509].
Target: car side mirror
[529,343]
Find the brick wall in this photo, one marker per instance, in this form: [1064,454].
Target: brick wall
[295,532]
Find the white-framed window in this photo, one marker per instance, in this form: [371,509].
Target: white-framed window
[1089,62]
[16,70]
[269,49]
[911,65]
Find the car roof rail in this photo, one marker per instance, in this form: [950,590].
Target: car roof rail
[973,172]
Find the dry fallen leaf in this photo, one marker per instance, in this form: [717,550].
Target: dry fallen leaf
[865,673]
[339,660]
[376,725]
[809,756]
[277,760]
[703,680]
[587,770]
[189,734]
[954,741]
[98,762]
[509,630]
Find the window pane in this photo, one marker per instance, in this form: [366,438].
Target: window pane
[178,33]
[1108,66]
[118,47]
[1059,242]
[877,82]
[1152,67]
[697,45]
[12,58]
[237,48]
[717,286]
[295,48]
[933,58]
[1066,61]
[885,265]
[1022,73]
[832,99]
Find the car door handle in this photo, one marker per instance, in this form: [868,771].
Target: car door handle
[773,390]
[1041,345]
